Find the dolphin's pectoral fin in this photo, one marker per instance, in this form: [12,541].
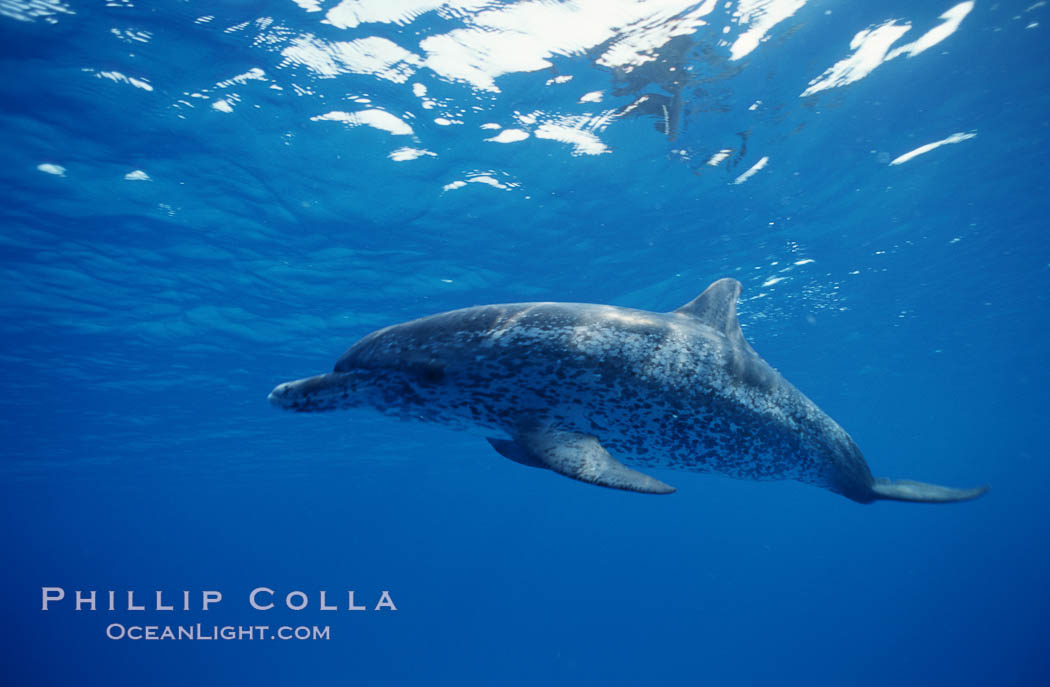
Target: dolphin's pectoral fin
[907,490]
[579,456]
[510,449]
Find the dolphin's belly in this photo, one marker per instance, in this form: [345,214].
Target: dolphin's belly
[641,424]
[702,434]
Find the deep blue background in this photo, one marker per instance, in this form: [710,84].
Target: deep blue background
[144,322]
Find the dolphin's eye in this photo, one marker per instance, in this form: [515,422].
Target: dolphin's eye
[432,372]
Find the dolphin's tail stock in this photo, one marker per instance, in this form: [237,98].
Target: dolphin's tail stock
[920,492]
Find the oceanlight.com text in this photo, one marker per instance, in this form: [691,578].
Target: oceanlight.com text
[201,632]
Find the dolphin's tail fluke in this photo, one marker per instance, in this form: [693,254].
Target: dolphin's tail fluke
[907,490]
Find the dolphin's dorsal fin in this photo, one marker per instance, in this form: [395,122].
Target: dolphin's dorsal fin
[716,307]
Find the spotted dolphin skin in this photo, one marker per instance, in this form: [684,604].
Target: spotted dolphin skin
[565,386]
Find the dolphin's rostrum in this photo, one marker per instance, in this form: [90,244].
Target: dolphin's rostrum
[564,386]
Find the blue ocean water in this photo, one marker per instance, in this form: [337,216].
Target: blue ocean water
[202,200]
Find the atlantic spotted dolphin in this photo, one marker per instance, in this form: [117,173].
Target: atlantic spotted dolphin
[566,386]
